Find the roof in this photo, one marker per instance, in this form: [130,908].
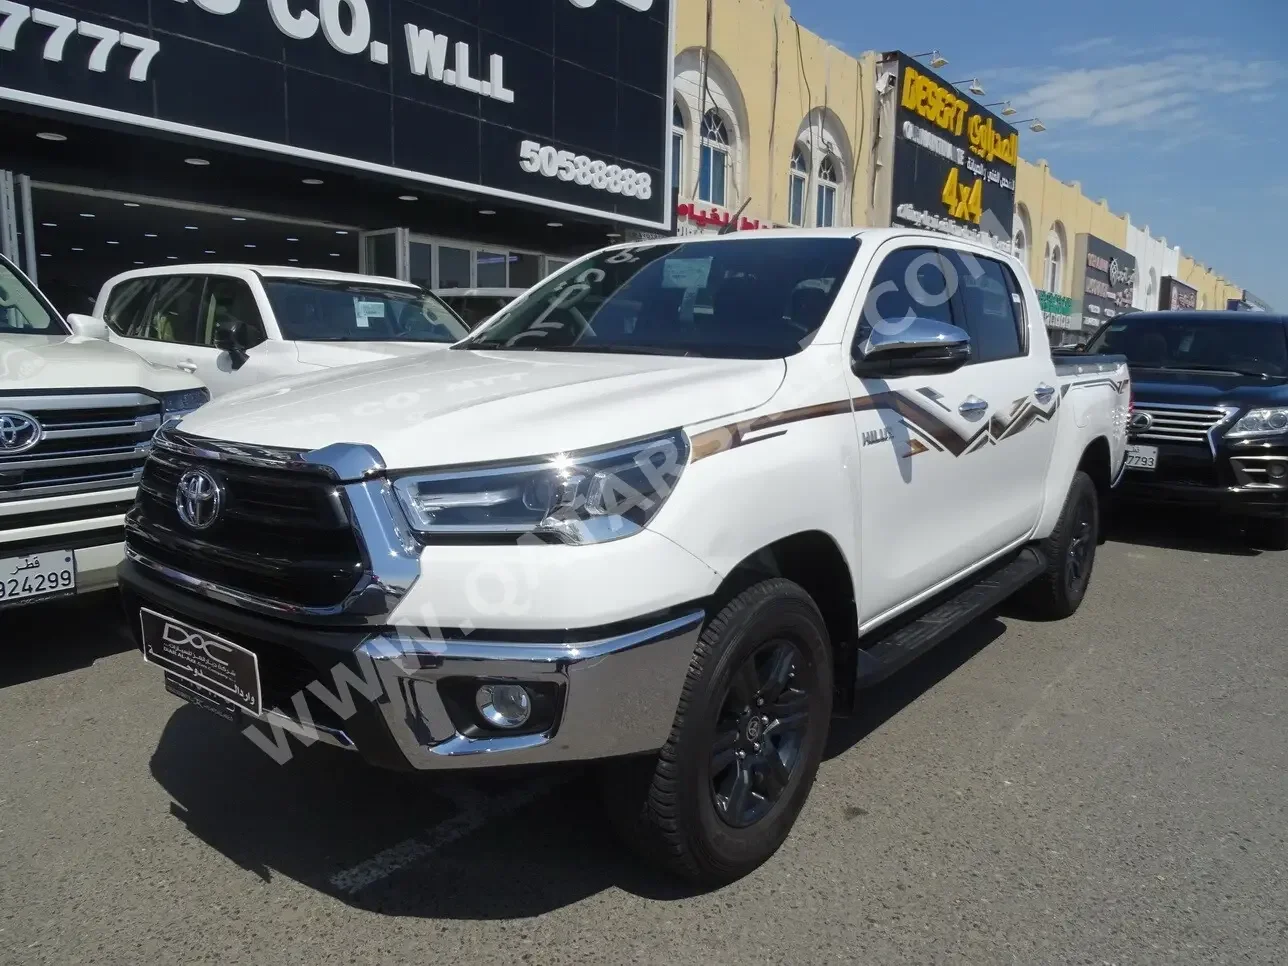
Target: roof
[265,271]
[1213,316]
[873,235]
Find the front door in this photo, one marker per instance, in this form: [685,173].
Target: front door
[950,465]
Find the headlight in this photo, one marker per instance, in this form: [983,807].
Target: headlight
[575,498]
[1261,422]
[183,402]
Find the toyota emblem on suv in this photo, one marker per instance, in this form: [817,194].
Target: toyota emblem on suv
[199,499]
[18,433]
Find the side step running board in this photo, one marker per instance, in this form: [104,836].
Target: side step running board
[881,657]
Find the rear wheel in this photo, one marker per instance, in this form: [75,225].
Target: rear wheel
[1070,553]
[748,736]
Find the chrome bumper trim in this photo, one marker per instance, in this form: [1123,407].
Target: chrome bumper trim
[307,732]
[620,693]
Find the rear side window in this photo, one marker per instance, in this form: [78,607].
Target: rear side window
[988,297]
[126,312]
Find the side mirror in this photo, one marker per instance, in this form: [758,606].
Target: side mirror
[909,347]
[87,327]
[232,336]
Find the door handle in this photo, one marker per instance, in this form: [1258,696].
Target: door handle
[1043,393]
[972,405]
[188,367]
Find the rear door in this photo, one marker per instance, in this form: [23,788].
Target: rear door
[156,316]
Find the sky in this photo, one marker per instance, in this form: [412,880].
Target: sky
[1175,112]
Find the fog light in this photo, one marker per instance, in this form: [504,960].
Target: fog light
[1278,471]
[504,705]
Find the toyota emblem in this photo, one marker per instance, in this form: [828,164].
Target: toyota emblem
[18,433]
[199,499]
[1141,422]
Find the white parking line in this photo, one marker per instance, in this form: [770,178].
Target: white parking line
[473,811]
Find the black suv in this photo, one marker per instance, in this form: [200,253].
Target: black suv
[1209,421]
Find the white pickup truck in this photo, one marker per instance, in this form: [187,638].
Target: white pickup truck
[670,511]
[235,326]
[76,422]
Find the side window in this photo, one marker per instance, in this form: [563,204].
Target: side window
[990,312]
[909,280]
[172,316]
[126,312]
[227,299]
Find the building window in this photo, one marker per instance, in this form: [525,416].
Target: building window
[715,159]
[1053,261]
[796,188]
[677,146]
[825,213]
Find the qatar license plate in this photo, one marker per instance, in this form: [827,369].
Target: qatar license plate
[1142,457]
[37,576]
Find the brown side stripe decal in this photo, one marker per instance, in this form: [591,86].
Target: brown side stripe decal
[1023,413]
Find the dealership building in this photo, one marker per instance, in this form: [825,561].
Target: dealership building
[484,143]
[450,142]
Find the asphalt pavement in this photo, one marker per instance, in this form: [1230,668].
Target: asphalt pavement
[1112,789]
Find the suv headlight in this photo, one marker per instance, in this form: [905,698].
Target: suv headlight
[181,403]
[1261,422]
[575,498]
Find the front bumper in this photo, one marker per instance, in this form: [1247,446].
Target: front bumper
[614,690]
[1254,501]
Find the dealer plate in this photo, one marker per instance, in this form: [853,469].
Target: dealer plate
[36,576]
[201,660]
[1142,457]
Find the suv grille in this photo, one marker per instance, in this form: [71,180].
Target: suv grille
[91,441]
[1180,425]
[281,535]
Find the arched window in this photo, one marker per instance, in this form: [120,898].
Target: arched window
[715,159]
[796,187]
[1053,260]
[825,211]
[677,146]
[1022,235]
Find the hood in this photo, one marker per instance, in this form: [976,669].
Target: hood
[329,355]
[70,362]
[465,406]
[1207,388]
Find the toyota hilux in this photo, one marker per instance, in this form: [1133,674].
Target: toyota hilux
[669,512]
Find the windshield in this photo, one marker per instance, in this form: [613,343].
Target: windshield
[22,310]
[477,309]
[1151,342]
[319,311]
[761,298]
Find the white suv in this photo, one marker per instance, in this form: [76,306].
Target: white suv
[76,422]
[235,326]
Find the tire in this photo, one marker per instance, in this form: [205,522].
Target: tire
[690,808]
[1268,534]
[1071,553]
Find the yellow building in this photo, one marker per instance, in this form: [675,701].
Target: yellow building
[769,115]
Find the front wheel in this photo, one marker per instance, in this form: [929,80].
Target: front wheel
[1070,553]
[725,790]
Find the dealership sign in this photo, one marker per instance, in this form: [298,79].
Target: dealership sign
[954,162]
[569,110]
[1174,295]
[1104,280]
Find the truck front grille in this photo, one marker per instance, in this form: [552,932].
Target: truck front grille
[1176,424]
[281,535]
[89,441]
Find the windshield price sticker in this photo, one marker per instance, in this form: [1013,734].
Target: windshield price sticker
[686,273]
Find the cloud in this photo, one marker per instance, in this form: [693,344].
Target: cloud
[1084,46]
[1148,96]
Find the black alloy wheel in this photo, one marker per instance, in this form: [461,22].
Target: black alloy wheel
[1082,546]
[762,720]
